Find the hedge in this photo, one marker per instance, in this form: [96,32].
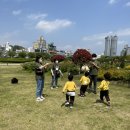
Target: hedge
[15,60]
[116,74]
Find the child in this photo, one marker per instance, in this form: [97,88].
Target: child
[70,88]
[84,84]
[104,88]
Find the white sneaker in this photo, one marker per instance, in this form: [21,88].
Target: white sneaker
[71,107]
[67,103]
[39,99]
[51,87]
[42,97]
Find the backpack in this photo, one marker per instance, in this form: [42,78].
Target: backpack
[14,80]
[57,73]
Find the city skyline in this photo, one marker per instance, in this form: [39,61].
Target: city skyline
[69,24]
[111,46]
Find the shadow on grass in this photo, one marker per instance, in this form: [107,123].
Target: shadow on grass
[100,101]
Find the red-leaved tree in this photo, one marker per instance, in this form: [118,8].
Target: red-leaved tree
[81,56]
[57,57]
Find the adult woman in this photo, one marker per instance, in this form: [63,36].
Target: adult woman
[55,72]
[39,74]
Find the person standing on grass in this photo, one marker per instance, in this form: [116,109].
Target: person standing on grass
[104,88]
[55,72]
[69,88]
[39,74]
[93,73]
[84,84]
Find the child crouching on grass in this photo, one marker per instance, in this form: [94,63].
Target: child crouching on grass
[70,88]
[104,88]
[84,84]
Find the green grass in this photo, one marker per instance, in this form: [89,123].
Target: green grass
[20,111]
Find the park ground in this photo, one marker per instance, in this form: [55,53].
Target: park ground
[20,111]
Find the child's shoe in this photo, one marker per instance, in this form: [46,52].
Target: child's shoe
[67,104]
[108,103]
[71,107]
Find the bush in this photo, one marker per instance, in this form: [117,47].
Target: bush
[69,66]
[116,74]
[30,66]
[57,57]
[15,60]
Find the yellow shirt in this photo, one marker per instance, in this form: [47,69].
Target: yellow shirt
[69,86]
[104,85]
[84,80]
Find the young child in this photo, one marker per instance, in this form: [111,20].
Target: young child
[70,88]
[84,84]
[104,88]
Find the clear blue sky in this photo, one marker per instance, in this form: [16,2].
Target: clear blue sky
[70,24]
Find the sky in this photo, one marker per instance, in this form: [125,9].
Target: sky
[70,24]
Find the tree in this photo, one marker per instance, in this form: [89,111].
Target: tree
[57,57]
[11,53]
[31,55]
[17,47]
[22,54]
[1,53]
[81,56]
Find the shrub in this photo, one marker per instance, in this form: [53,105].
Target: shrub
[57,57]
[81,56]
[15,60]
[69,66]
[29,66]
[116,74]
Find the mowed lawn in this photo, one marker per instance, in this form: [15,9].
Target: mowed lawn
[20,111]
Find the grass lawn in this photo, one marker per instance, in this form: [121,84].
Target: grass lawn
[20,111]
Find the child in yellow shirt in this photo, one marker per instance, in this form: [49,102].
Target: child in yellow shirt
[84,84]
[104,88]
[70,88]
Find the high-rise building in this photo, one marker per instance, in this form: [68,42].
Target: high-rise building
[110,45]
[40,45]
[125,51]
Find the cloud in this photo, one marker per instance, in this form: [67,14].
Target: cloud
[124,32]
[112,1]
[127,4]
[96,37]
[16,12]
[101,36]
[37,16]
[15,0]
[8,35]
[20,0]
[122,42]
[13,38]
[49,26]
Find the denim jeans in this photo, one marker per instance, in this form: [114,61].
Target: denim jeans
[54,82]
[93,80]
[40,86]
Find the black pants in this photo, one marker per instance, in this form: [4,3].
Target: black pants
[105,94]
[83,89]
[70,99]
